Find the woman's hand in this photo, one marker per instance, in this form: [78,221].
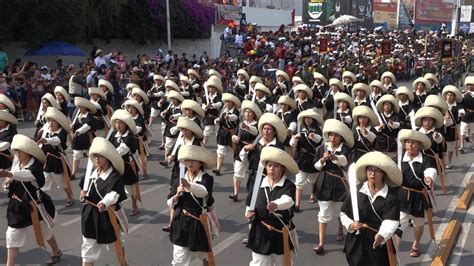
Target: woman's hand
[249,147]
[185,183]
[235,139]
[356,226]
[250,215]
[101,206]
[377,241]
[429,182]
[272,206]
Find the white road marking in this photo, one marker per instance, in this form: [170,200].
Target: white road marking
[466,226]
[229,240]
[447,217]
[147,219]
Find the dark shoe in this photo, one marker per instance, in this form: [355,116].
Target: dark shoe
[245,241]
[54,259]
[414,253]
[340,237]
[297,209]
[164,163]
[217,172]
[69,203]
[319,250]
[234,197]
[166,229]
[162,147]
[73,177]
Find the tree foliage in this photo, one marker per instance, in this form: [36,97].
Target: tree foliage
[75,21]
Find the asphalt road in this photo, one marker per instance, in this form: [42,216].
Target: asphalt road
[147,244]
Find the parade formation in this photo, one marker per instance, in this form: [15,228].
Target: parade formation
[369,152]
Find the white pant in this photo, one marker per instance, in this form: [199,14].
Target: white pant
[16,237]
[240,170]
[267,260]
[183,257]
[302,178]
[223,150]
[78,154]
[328,210]
[209,130]
[405,218]
[169,143]
[467,128]
[49,177]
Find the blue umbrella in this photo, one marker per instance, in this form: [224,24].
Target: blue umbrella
[56,48]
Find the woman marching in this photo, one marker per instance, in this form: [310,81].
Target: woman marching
[364,132]
[271,217]
[47,100]
[387,130]
[62,97]
[101,193]
[52,140]
[306,141]
[405,101]
[23,183]
[8,130]
[190,197]
[331,186]
[369,234]
[124,138]
[452,119]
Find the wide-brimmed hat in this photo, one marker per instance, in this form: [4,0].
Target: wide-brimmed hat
[131,85]
[95,90]
[430,112]
[338,83]
[338,127]
[274,121]
[52,101]
[125,117]
[58,116]
[227,97]
[437,102]
[98,52]
[184,78]
[297,80]
[83,102]
[363,110]
[23,143]
[342,96]
[159,77]
[197,153]
[194,73]
[377,83]
[310,113]
[349,74]
[388,98]
[134,103]
[361,86]
[305,88]
[243,73]
[186,123]
[193,105]
[255,79]
[317,75]
[261,87]
[284,99]
[424,81]
[469,80]
[388,74]
[7,102]
[246,104]
[404,90]
[61,90]
[175,95]
[215,82]
[283,74]
[276,155]
[384,163]
[103,147]
[8,117]
[171,84]
[433,77]
[107,84]
[213,72]
[409,134]
[454,90]
[141,93]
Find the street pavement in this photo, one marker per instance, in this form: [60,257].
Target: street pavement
[147,244]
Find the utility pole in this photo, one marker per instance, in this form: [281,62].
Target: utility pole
[168,24]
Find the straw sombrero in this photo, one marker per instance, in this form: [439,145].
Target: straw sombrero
[378,84]
[454,90]
[62,91]
[305,88]
[246,104]
[141,93]
[388,98]
[283,74]
[134,103]
[130,86]
[243,73]
[7,102]
[433,77]
[261,87]
[186,123]
[274,121]
[349,74]
[341,96]
[171,84]
[361,86]
[284,99]
[103,147]
[336,126]
[107,84]
[215,82]
[52,101]
[384,163]
[23,143]
[194,73]
[310,113]
[193,105]
[406,134]
[424,81]
[159,77]
[404,90]
[297,80]
[273,154]
[83,102]
[175,95]
[213,72]
[58,116]
[363,110]
[227,97]
[255,79]
[197,153]
[95,90]
[388,74]
[317,75]
[338,83]
[125,117]
[430,112]
[437,102]
[8,117]
[185,79]
[469,80]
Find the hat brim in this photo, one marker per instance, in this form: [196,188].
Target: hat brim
[338,127]
[408,134]
[363,110]
[135,104]
[197,153]
[186,123]
[274,121]
[312,114]
[273,154]
[384,163]
[58,116]
[27,145]
[430,112]
[103,147]
[126,118]
[190,104]
[388,98]
[8,117]
[83,102]
[249,105]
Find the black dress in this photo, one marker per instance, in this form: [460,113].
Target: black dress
[172,110]
[212,113]
[451,131]
[64,108]
[403,115]
[84,141]
[53,164]
[227,127]
[358,248]
[362,144]
[175,169]
[96,225]
[245,138]
[386,140]
[6,135]
[185,230]
[306,149]
[130,175]
[319,92]
[261,240]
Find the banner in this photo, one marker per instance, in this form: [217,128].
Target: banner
[323,12]
[447,49]
[323,45]
[363,9]
[385,11]
[466,12]
[406,14]
[433,11]
[226,14]
[386,47]
[306,49]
